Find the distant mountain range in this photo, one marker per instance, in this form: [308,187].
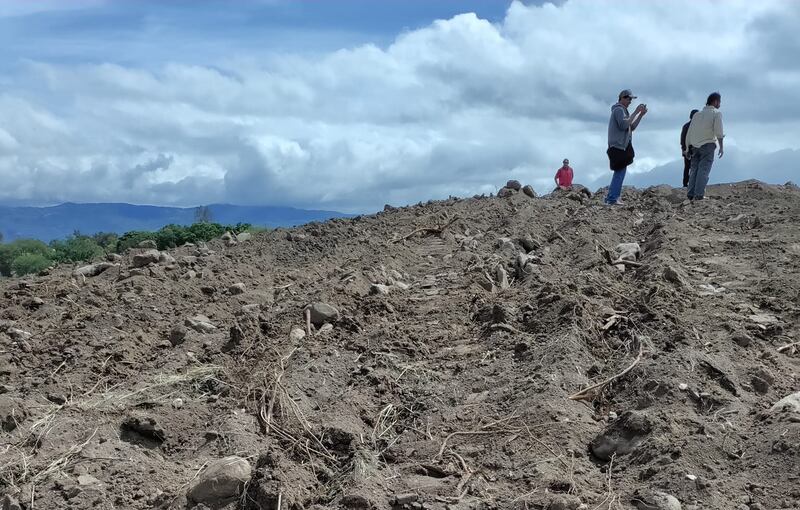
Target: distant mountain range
[48,223]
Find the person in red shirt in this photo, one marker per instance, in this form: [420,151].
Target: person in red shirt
[564,176]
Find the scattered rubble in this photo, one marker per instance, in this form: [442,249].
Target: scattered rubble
[465,353]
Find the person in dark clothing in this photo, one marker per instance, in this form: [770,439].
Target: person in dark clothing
[684,150]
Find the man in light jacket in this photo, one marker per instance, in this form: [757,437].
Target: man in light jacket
[705,132]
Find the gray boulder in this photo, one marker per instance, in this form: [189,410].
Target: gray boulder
[528,190]
[514,184]
[505,193]
[146,258]
[790,403]
[148,244]
[93,269]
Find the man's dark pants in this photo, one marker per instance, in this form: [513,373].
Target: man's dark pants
[687,162]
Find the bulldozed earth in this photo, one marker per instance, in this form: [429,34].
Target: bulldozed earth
[481,353]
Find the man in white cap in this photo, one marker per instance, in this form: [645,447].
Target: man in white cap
[620,147]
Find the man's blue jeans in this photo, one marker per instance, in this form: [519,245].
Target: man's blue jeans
[700,169]
[615,188]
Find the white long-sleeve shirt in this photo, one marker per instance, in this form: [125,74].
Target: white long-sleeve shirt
[706,127]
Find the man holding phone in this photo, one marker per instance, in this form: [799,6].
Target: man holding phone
[620,137]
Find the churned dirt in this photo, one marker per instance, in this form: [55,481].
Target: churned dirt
[488,353]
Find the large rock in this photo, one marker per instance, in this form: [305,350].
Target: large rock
[622,436]
[514,184]
[322,313]
[166,259]
[12,413]
[93,269]
[201,324]
[506,192]
[528,190]
[789,403]
[243,236]
[146,258]
[148,244]
[221,482]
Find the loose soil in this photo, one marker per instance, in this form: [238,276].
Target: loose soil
[448,387]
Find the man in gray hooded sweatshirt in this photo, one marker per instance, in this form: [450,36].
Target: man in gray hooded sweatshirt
[620,147]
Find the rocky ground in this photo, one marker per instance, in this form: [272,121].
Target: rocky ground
[483,353]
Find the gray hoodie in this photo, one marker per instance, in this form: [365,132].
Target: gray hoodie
[619,127]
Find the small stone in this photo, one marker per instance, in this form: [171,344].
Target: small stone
[9,503]
[221,482]
[252,309]
[178,334]
[12,413]
[404,499]
[85,480]
[622,436]
[528,190]
[760,385]
[742,339]
[177,403]
[201,324]
[146,258]
[322,313]
[514,184]
[237,288]
[691,477]
[18,335]
[565,503]
[502,277]
[377,289]
[297,334]
[325,328]
[673,276]
[683,386]
[656,501]
[628,251]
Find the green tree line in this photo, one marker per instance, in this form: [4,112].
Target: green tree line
[27,256]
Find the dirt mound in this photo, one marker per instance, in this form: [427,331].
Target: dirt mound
[484,353]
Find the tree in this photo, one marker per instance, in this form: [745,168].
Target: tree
[30,263]
[11,251]
[1,237]
[203,214]
[77,248]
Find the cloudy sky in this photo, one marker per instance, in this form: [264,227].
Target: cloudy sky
[351,104]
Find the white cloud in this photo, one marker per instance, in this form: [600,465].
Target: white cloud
[455,108]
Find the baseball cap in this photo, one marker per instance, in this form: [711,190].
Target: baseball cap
[626,93]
